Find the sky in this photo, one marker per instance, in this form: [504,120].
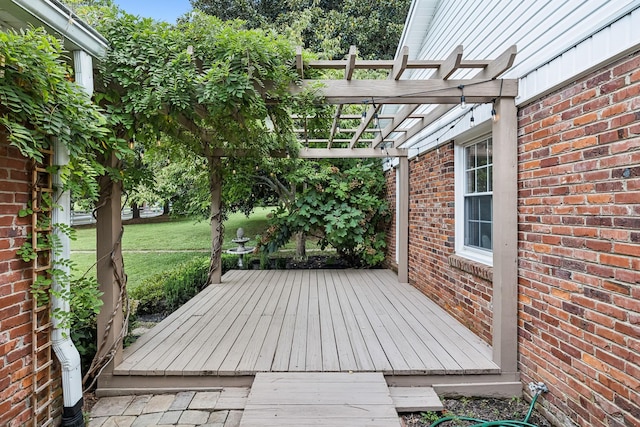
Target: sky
[161,10]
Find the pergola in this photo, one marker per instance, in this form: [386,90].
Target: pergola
[443,93]
[385,135]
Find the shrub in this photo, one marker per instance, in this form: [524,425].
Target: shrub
[150,295]
[185,281]
[165,292]
[84,308]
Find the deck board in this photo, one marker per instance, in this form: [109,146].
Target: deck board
[308,321]
[319,399]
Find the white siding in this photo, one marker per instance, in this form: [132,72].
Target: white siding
[557,42]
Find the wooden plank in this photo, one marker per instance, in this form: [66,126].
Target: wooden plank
[212,330]
[247,345]
[181,342]
[371,341]
[330,360]
[410,330]
[145,347]
[231,334]
[361,354]
[377,319]
[329,399]
[404,338]
[351,62]
[313,359]
[320,377]
[345,354]
[299,344]
[447,332]
[283,349]
[192,304]
[400,64]
[352,153]
[409,91]
[268,350]
[415,399]
[214,313]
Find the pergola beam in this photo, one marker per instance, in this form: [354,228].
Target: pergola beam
[350,153]
[409,91]
[446,69]
[498,66]
[400,64]
[381,64]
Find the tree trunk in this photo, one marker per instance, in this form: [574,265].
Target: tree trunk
[165,208]
[301,245]
[217,229]
[135,210]
[301,237]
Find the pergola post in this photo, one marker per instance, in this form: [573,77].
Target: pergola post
[402,218]
[109,226]
[505,236]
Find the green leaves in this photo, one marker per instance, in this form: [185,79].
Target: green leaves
[39,101]
[345,208]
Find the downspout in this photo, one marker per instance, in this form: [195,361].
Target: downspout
[65,350]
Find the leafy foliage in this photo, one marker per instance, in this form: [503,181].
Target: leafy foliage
[167,291]
[39,101]
[323,25]
[343,207]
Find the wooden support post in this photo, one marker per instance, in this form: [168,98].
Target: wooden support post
[217,230]
[402,218]
[109,226]
[505,236]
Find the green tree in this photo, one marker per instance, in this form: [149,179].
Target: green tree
[343,206]
[207,84]
[323,26]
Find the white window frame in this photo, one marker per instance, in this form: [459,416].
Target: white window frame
[474,254]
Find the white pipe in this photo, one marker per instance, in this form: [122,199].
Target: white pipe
[63,347]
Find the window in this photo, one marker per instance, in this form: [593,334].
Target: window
[474,200]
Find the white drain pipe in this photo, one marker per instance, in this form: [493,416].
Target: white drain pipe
[65,350]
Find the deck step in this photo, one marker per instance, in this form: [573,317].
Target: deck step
[319,399]
[415,399]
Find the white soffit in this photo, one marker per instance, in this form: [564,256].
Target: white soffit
[57,19]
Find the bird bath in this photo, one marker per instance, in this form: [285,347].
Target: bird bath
[241,250]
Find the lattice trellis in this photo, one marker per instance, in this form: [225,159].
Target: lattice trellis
[42,324]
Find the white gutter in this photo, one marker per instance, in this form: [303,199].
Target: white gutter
[65,350]
[57,18]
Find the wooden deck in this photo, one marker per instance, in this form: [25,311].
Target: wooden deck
[325,399]
[303,321]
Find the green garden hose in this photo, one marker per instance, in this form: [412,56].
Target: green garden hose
[536,388]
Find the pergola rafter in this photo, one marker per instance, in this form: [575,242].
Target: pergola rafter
[373,95]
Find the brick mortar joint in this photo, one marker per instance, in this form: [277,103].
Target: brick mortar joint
[471,267]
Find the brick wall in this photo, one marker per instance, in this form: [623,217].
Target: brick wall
[15,298]
[462,287]
[579,247]
[390,260]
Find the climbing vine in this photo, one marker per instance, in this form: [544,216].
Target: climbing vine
[40,103]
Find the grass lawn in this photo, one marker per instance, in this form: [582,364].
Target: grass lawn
[138,266]
[178,235]
[156,247]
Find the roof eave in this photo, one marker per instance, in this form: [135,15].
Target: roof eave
[57,18]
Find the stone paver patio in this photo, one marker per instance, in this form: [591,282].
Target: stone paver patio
[207,409]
